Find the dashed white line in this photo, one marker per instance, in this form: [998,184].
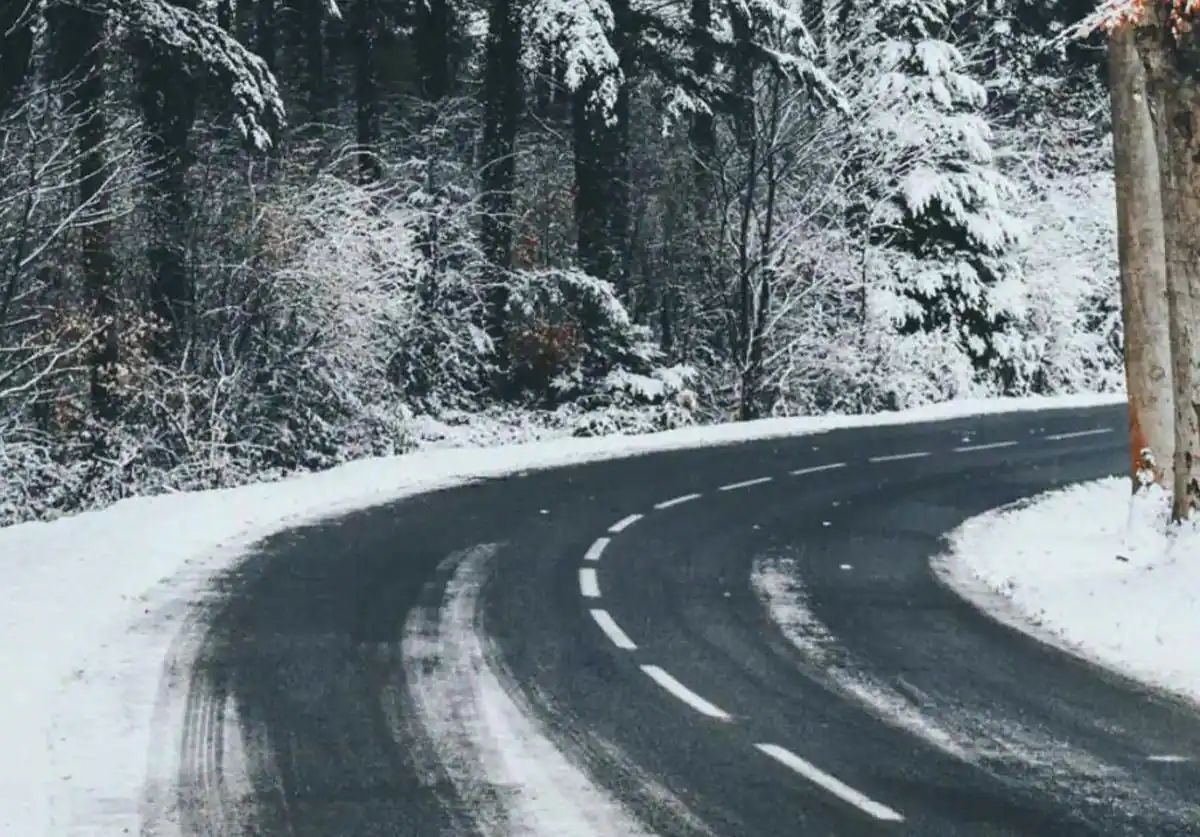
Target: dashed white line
[988,446]
[1169,758]
[624,523]
[733,486]
[594,551]
[1058,437]
[685,694]
[816,468]
[589,585]
[612,630]
[666,504]
[835,786]
[896,457]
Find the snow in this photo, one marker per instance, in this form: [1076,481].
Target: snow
[511,778]
[96,607]
[1093,570]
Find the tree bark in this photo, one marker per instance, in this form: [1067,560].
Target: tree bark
[434,21]
[366,90]
[1171,62]
[16,48]
[501,114]
[168,102]
[79,38]
[1141,251]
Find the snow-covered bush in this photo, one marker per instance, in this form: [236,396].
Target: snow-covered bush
[567,333]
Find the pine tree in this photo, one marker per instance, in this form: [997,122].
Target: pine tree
[939,202]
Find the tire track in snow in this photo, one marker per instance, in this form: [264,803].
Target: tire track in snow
[507,775]
[1006,748]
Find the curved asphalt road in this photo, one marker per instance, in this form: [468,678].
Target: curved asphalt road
[305,646]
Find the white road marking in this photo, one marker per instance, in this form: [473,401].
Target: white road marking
[624,523]
[612,630]
[895,457]
[685,694]
[666,504]
[989,446]
[1058,437]
[835,786]
[1169,758]
[593,552]
[733,486]
[801,471]
[589,585]
[478,729]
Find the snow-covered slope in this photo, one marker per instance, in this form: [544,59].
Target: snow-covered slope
[1091,568]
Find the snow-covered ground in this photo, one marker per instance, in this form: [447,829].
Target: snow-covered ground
[95,608]
[1091,569]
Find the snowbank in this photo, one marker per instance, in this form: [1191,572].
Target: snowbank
[93,605]
[1091,569]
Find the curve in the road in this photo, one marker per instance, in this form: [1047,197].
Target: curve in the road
[648,661]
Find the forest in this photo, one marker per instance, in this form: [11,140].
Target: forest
[243,238]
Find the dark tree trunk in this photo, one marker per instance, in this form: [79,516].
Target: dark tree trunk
[601,149]
[366,31]
[316,84]
[266,42]
[79,39]
[168,104]
[501,113]
[703,133]
[601,184]
[434,42]
[16,48]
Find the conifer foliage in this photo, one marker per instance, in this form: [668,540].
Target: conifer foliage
[243,238]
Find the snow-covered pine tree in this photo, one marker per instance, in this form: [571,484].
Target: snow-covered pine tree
[936,209]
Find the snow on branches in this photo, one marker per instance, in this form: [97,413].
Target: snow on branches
[206,49]
[576,32]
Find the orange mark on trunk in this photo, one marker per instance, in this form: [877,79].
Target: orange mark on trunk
[1137,441]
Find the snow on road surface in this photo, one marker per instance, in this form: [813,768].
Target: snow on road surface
[973,733]
[1091,569]
[92,605]
[507,773]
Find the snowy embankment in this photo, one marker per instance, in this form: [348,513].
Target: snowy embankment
[1091,569]
[95,605]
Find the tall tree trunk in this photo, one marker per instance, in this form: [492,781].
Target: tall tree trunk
[434,47]
[702,138]
[266,41]
[16,48]
[1170,60]
[168,102]
[601,150]
[601,183]
[315,81]
[501,114]
[79,37]
[366,31]
[1140,248]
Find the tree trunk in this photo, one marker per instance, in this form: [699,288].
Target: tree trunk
[16,48]
[265,40]
[434,47]
[601,183]
[1140,248]
[316,82]
[79,38]
[366,89]
[501,114]
[168,102]
[1169,62]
